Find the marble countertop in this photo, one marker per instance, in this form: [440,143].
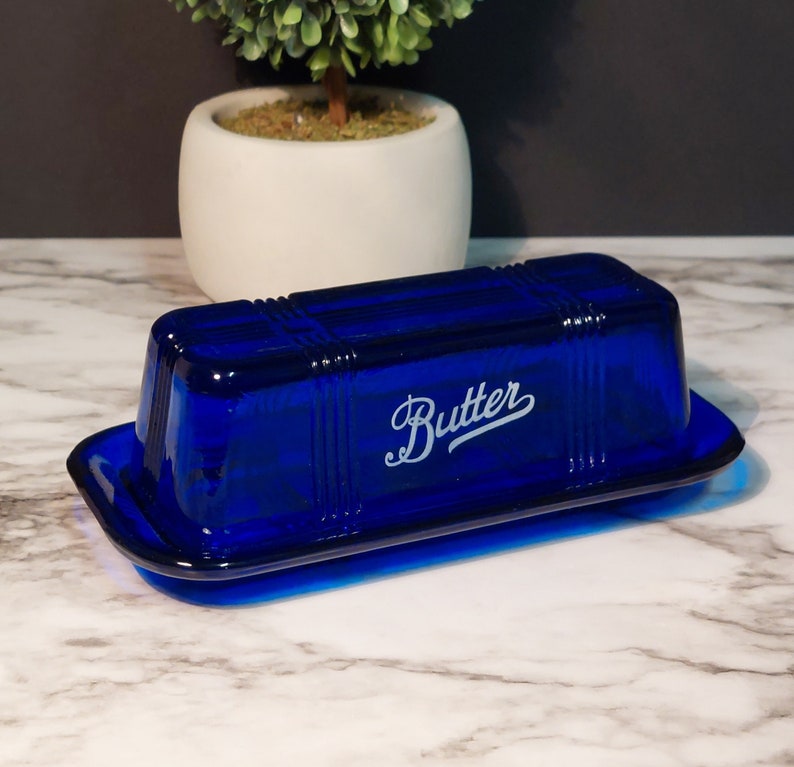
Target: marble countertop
[663,643]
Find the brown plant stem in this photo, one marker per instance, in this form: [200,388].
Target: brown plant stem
[335,82]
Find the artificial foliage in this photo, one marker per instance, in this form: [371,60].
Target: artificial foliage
[330,34]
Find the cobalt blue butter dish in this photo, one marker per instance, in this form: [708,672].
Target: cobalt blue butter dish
[277,433]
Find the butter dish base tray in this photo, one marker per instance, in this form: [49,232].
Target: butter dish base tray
[100,468]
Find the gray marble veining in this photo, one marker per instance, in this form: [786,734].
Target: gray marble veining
[663,644]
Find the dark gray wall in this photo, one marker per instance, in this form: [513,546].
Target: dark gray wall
[586,117]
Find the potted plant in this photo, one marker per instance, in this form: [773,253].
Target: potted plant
[264,216]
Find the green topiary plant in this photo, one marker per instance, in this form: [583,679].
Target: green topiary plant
[337,37]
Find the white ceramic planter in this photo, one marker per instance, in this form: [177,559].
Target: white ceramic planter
[263,218]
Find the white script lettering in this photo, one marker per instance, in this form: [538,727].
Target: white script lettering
[490,410]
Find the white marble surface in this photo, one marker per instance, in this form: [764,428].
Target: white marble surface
[664,644]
